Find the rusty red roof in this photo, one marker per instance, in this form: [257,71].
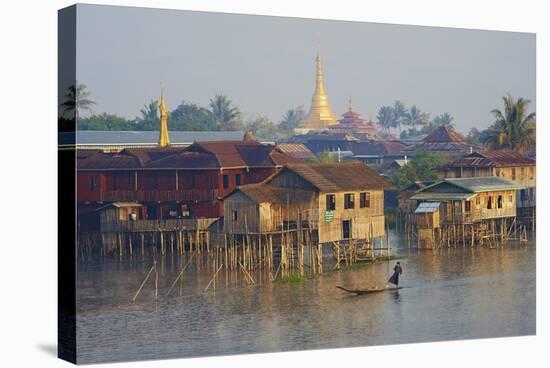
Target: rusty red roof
[494,159]
[200,155]
[296,150]
[444,134]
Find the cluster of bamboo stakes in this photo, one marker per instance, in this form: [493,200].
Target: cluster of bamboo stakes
[491,233]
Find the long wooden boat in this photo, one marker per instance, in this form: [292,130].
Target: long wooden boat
[368,290]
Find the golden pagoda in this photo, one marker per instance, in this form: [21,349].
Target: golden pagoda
[320,115]
[164,139]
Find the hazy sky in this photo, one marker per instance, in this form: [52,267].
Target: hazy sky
[266,65]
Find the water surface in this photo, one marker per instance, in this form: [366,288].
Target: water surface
[446,295]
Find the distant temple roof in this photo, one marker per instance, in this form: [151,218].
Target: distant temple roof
[352,122]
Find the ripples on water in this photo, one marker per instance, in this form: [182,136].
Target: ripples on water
[450,294]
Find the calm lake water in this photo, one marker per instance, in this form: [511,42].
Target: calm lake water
[449,295]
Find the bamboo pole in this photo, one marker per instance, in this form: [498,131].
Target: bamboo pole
[213,277]
[144,281]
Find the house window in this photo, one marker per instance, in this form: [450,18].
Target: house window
[511,199]
[522,172]
[94,184]
[331,202]
[499,201]
[532,172]
[238,179]
[489,203]
[364,200]
[467,206]
[235,216]
[478,201]
[513,173]
[225,181]
[497,172]
[349,201]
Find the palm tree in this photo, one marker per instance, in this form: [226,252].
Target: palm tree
[444,119]
[149,111]
[76,99]
[292,118]
[399,112]
[385,118]
[226,115]
[512,129]
[415,117]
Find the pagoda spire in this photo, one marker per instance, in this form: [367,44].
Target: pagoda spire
[320,114]
[164,139]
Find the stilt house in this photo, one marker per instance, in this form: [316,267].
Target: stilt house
[332,201]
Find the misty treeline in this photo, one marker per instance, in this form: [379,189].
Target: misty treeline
[512,128]
[220,114]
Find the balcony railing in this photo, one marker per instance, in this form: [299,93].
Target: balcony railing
[157,225]
[479,215]
[160,195]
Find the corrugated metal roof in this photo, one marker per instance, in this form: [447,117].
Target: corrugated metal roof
[493,159]
[427,207]
[137,138]
[296,150]
[434,196]
[340,177]
[200,155]
[472,185]
[444,134]
[377,148]
[261,193]
[484,184]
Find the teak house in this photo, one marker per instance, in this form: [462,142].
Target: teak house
[332,201]
[510,165]
[465,208]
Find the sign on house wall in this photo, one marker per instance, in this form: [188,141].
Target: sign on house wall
[329,216]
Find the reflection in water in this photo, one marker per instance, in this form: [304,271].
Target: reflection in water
[447,294]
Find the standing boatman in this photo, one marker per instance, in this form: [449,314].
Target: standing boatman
[397,271]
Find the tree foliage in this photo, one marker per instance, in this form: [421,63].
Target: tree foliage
[227,116]
[422,167]
[323,158]
[77,98]
[513,128]
[188,116]
[291,120]
[106,122]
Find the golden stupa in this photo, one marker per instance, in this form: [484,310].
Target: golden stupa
[164,139]
[320,115]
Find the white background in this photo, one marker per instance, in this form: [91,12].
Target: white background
[28,138]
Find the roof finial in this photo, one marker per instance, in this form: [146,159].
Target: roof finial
[164,139]
[350,106]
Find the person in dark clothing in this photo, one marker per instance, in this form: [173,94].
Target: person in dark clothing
[397,271]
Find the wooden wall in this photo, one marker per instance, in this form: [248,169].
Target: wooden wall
[365,222]
[455,211]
